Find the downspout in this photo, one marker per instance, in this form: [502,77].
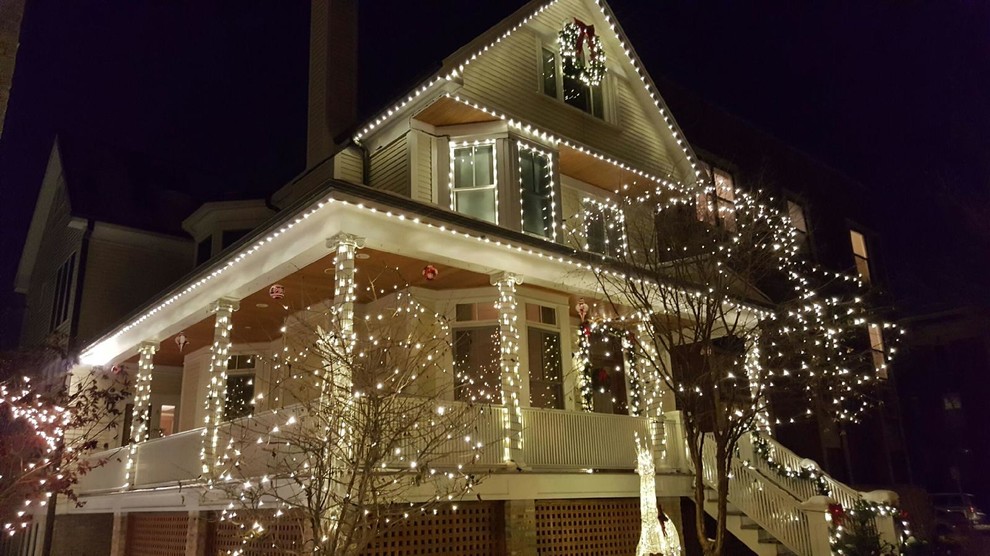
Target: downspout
[365,162]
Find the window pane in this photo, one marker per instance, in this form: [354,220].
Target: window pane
[796,214]
[484,165]
[479,203]
[463,167]
[863,269]
[723,185]
[575,92]
[465,312]
[240,392]
[597,108]
[548,315]
[858,244]
[549,73]
[727,214]
[704,207]
[595,232]
[477,375]
[545,383]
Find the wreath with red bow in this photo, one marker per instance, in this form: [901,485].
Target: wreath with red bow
[582,52]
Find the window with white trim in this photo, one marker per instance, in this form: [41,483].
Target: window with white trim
[877,350]
[546,382]
[559,84]
[474,180]
[477,370]
[63,293]
[537,204]
[718,206]
[604,229]
[239,397]
[800,224]
[861,255]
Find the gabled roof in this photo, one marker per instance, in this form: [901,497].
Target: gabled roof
[454,65]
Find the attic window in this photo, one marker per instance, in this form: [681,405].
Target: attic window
[562,86]
[63,292]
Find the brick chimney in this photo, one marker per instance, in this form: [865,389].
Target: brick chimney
[332,76]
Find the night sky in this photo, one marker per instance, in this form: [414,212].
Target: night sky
[892,93]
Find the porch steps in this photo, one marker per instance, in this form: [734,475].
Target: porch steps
[756,538]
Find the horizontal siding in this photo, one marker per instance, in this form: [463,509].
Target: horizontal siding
[424,168]
[506,76]
[121,277]
[390,168]
[57,244]
[348,166]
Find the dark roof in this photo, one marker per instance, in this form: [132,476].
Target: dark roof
[133,189]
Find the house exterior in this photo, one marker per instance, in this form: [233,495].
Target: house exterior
[464,187]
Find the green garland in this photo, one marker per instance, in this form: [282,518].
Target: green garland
[763,449]
[570,40]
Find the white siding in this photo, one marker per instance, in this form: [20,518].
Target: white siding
[390,168]
[348,166]
[421,156]
[507,77]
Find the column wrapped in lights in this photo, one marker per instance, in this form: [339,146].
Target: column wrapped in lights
[508,331]
[344,296]
[141,413]
[216,393]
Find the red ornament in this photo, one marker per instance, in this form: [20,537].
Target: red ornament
[837,512]
[430,272]
[277,291]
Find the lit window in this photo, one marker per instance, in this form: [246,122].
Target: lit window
[559,84]
[477,369]
[796,213]
[604,229]
[473,181]
[536,190]
[239,397]
[546,386]
[719,206]
[63,292]
[608,376]
[877,349]
[166,420]
[861,255]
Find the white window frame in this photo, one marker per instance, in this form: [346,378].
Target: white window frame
[607,213]
[864,256]
[454,146]
[522,147]
[604,87]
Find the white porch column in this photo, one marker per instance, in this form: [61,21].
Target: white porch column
[216,393]
[141,413]
[344,296]
[508,331]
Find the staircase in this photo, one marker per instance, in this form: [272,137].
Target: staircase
[772,514]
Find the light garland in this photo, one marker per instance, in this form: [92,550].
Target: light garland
[658,535]
[215,401]
[508,331]
[141,414]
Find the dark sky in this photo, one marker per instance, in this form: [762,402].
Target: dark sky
[893,93]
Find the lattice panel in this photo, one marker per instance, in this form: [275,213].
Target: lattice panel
[475,529]
[282,536]
[593,527]
[157,534]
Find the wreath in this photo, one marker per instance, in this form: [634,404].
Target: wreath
[582,52]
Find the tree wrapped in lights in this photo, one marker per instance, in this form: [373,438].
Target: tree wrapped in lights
[368,434]
[52,423]
[723,313]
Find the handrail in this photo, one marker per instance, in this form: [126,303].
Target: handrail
[765,503]
[800,488]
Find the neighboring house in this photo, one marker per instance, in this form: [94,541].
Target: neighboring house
[438,179]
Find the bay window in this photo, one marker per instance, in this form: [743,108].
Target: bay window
[473,180]
[537,204]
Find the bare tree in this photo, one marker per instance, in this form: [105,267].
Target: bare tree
[719,309]
[369,434]
[50,426]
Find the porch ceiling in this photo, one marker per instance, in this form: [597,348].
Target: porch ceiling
[260,317]
[446,111]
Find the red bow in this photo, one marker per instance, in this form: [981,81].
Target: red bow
[586,34]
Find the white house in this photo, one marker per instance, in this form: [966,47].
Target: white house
[474,172]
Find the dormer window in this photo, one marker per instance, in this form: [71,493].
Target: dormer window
[563,86]
[473,181]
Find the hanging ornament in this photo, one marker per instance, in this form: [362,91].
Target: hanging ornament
[582,52]
[277,291]
[582,309]
[430,272]
[181,340]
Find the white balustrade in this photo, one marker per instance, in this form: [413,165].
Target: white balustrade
[570,440]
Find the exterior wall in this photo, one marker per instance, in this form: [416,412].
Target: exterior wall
[195,377]
[348,166]
[421,162]
[124,268]
[82,534]
[59,241]
[390,168]
[507,77]
[166,388]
